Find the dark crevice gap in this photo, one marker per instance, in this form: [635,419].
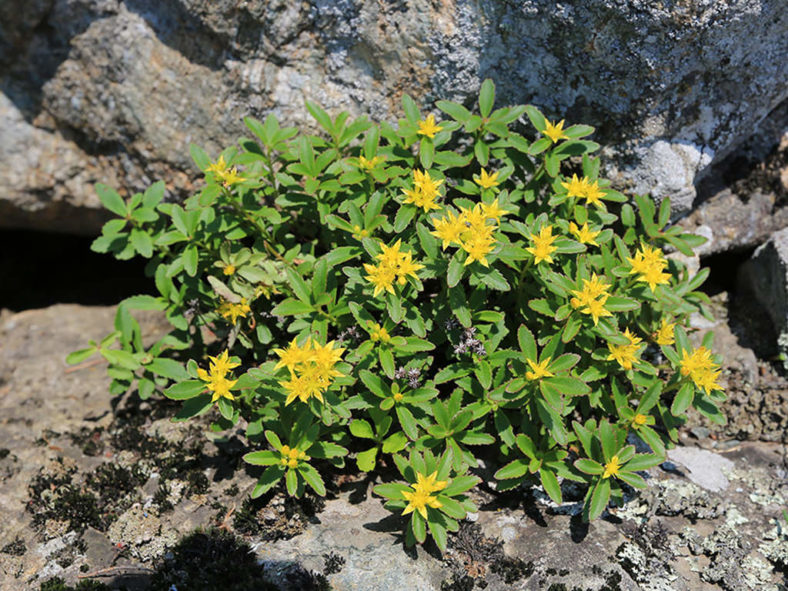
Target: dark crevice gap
[39,269]
[724,270]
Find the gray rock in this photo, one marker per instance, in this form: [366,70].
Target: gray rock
[705,468]
[731,223]
[115,90]
[765,277]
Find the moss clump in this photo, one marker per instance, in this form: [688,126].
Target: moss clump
[58,584]
[210,560]
[15,548]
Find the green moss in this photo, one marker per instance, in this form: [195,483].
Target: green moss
[58,584]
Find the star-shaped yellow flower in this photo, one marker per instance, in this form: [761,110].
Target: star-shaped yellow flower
[555,132]
[428,126]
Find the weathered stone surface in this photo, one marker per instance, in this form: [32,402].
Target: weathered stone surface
[673,535]
[730,223]
[114,90]
[765,277]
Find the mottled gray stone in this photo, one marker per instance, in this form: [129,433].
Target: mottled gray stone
[765,277]
[115,90]
[705,468]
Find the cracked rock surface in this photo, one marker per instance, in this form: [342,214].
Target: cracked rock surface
[113,91]
[112,489]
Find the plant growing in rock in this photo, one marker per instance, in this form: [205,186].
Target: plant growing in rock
[418,296]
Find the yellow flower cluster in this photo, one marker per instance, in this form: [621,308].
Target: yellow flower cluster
[232,312]
[591,299]
[664,334]
[379,333]
[583,187]
[472,230]
[625,355]
[311,369]
[369,163]
[701,369]
[424,192]
[291,456]
[229,176]
[216,377]
[543,245]
[393,266]
[421,496]
[649,264]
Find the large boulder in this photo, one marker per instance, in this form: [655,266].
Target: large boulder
[114,90]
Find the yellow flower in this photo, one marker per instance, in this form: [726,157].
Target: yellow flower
[420,497]
[486,181]
[369,164]
[576,187]
[639,420]
[311,369]
[701,369]
[612,467]
[649,264]
[664,335]
[216,376]
[359,232]
[625,355]
[232,312]
[291,456]
[293,355]
[555,132]
[379,333]
[478,248]
[493,211]
[543,245]
[425,191]
[428,127]
[539,370]
[449,229]
[219,168]
[584,234]
[593,194]
[393,266]
[229,269]
[591,299]
[429,483]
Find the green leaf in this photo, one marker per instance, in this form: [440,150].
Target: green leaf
[80,356]
[568,386]
[201,159]
[683,399]
[633,480]
[493,278]
[190,258]
[312,478]
[361,428]
[550,484]
[366,460]
[193,407]
[438,534]
[486,97]
[404,216]
[527,343]
[410,109]
[419,527]
[599,499]
[426,152]
[267,480]
[456,269]
[262,458]
[537,119]
[589,466]
[111,200]
[185,390]
[291,307]
[320,116]
[226,408]
[514,469]
[291,482]
[454,110]
[169,368]
[407,422]
[643,462]
[120,358]
[300,288]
